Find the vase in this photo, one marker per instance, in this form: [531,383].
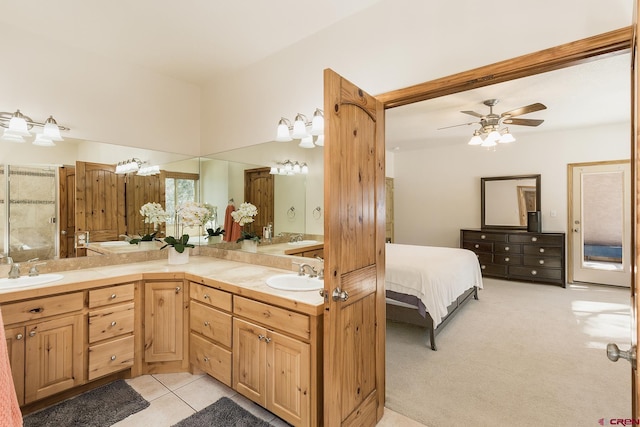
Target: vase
[249,245]
[146,245]
[176,257]
[212,240]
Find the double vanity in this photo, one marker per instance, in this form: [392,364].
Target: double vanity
[84,327]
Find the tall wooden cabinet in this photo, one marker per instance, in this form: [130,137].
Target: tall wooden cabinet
[165,308]
[518,255]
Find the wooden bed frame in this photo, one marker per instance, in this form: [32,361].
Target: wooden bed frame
[398,313]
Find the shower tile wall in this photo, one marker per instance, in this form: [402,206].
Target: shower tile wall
[32,209]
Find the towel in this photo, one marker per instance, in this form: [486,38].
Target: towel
[10,415]
[232,228]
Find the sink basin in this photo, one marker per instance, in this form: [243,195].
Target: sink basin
[303,243]
[116,243]
[26,281]
[293,282]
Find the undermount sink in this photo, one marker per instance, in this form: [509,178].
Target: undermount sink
[294,282]
[26,281]
[303,243]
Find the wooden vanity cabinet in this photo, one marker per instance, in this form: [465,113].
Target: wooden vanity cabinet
[210,334]
[48,334]
[272,363]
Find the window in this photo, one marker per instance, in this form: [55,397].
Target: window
[179,188]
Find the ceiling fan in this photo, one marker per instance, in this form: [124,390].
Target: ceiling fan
[490,123]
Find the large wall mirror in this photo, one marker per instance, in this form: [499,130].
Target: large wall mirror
[505,200]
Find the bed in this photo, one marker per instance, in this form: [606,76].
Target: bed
[427,285]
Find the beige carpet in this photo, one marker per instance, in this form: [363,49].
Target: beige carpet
[523,355]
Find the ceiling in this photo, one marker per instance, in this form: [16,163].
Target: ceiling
[589,94]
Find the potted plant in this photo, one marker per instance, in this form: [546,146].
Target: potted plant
[244,216]
[153,215]
[214,235]
[188,214]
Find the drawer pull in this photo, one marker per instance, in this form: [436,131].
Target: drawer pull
[476,246]
[206,296]
[19,336]
[506,248]
[178,289]
[113,296]
[268,340]
[506,259]
[533,272]
[541,250]
[483,237]
[205,359]
[541,261]
[32,333]
[113,323]
[36,310]
[113,357]
[534,239]
[483,267]
[206,324]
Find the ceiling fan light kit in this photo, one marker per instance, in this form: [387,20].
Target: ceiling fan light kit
[491,124]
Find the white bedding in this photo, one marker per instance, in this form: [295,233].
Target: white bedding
[437,276]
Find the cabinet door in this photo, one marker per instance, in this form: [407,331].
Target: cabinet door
[288,378]
[15,346]
[54,358]
[164,309]
[249,360]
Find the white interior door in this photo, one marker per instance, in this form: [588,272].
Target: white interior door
[600,221]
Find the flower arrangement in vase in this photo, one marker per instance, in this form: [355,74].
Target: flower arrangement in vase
[243,216]
[153,215]
[188,214]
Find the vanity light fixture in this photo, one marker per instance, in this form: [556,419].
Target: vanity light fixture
[17,126]
[136,165]
[302,129]
[289,167]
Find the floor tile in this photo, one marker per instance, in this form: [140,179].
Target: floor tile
[177,380]
[203,392]
[148,387]
[162,412]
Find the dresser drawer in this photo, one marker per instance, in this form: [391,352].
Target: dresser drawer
[538,239]
[110,322]
[110,357]
[481,235]
[484,258]
[274,317]
[212,323]
[535,261]
[210,296]
[41,307]
[111,295]
[494,270]
[507,259]
[478,246]
[553,251]
[535,273]
[214,360]
[510,248]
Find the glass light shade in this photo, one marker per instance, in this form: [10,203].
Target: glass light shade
[43,141]
[288,167]
[282,171]
[296,168]
[475,140]
[273,170]
[283,132]
[320,140]
[299,127]
[494,135]
[51,129]
[506,138]
[304,169]
[306,142]
[488,142]
[10,137]
[317,123]
[18,125]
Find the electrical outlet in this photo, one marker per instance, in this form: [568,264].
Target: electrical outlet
[81,239]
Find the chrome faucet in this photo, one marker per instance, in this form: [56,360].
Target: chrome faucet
[303,266]
[296,238]
[14,273]
[33,271]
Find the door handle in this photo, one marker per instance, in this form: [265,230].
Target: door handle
[614,353]
[576,230]
[339,295]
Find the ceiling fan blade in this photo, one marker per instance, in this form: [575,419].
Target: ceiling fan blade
[473,113]
[523,122]
[524,110]
[462,124]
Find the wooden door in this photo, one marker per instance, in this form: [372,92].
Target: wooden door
[67,216]
[141,190]
[354,203]
[54,359]
[15,346]
[164,320]
[259,190]
[249,360]
[100,201]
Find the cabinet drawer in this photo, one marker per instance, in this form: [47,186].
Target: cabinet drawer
[214,360]
[274,317]
[110,357]
[534,273]
[508,248]
[534,261]
[538,239]
[478,246]
[210,296]
[553,251]
[110,322]
[507,259]
[481,235]
[42,307]
[211,323]
[111,295]
[494,270]
[485,258]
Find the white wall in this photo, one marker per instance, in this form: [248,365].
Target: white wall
[437,191]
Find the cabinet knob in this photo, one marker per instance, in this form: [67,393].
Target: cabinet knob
[205,359]
[534,272]
[113,357]
[541,261]
[206,324]
[476,246]
[483,267]
[483,237]
[506,259]
[534,239]
[261,337]
[113,323]
[113,296]
[268,340]
[206,296]
[178,288]
[32,333]
[506,248]
[541,250]
[19,336]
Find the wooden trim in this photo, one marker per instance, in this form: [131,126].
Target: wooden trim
[182,175]
[562,56]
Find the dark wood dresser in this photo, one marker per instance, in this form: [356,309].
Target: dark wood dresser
[518,255]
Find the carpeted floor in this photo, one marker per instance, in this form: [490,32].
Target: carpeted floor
[523,355]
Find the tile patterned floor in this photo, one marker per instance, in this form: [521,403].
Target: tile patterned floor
[173,397]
